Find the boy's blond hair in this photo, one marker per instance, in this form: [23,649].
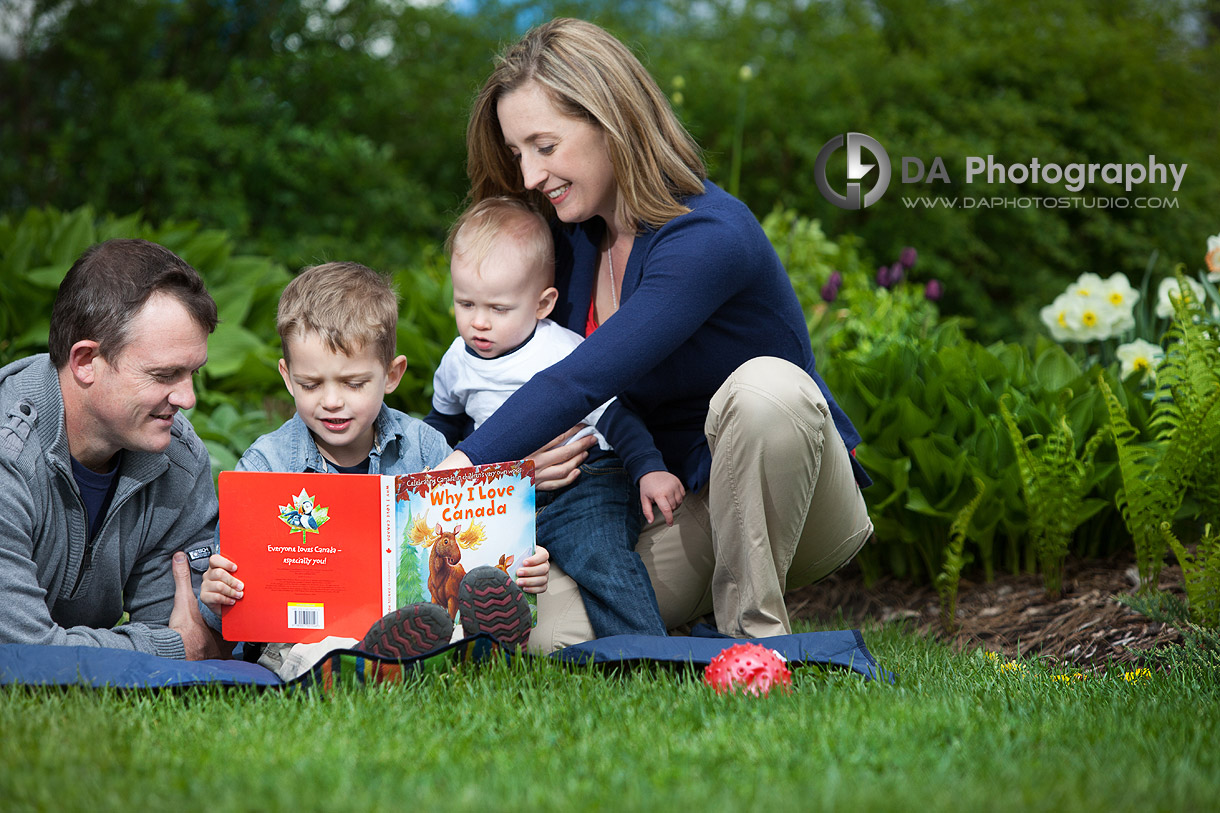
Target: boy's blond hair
[348,305]
[475,233]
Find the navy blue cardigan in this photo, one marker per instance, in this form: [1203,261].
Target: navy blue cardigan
[701,295]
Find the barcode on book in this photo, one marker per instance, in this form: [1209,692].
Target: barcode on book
[305,617]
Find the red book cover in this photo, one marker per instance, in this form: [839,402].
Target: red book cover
[310,549]
[329,554]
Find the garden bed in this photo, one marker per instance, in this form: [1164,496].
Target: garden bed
[1084,627]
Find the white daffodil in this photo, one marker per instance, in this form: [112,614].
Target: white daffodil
[1086,285]
[1169,285]
[1212,258]
[1072,318]
[1139,356]
[1117,303]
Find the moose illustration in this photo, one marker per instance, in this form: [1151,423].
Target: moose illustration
[445,570]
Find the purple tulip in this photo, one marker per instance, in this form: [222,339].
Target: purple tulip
[836,279]
[896,274]
[830,292]
[933,290]
[883,276]
[908,257]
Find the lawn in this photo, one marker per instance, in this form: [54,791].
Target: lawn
[957,731]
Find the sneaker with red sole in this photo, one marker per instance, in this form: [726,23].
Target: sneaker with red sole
[408,632]
[490,601]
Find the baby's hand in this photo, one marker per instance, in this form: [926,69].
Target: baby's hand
[219,588]
[534,572]
[665,490]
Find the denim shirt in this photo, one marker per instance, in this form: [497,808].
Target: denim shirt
[401,445]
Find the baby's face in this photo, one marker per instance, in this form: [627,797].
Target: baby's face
[338,396]
[498,304]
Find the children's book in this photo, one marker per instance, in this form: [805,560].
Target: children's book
[329,554]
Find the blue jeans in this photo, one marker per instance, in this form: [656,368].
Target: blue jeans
[591,528]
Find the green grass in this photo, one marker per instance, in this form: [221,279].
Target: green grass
[956,731]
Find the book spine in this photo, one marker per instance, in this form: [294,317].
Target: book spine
[389,547]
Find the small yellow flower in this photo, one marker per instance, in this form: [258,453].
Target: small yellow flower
[746,73]
[1014,667]
[678,82]
[991,656]
[1075,677]
[678,98]
[1138,674]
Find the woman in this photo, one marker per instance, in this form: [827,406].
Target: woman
[691,320]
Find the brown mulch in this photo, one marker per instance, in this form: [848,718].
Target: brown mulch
[1083,627]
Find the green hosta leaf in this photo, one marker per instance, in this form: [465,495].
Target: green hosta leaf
[70,237]
[1054,369]
[228,348]
[48,276]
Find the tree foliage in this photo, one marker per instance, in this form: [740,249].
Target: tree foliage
[314,129]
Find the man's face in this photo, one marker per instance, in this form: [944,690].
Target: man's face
[134,396]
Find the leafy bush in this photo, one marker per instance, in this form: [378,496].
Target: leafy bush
[1183,455]
[240,393]
[926,401]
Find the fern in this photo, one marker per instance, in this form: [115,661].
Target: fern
[951,571]
[1185,424]
[1201,575]
[1054,482]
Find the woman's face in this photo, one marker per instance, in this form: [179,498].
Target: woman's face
[566,159]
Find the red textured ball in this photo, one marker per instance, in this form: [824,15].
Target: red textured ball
[752,667]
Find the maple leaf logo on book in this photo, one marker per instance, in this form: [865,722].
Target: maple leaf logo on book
[304,516]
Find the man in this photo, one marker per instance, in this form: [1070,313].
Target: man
[105,490]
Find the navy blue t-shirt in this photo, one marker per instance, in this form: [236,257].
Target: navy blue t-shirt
[96,490]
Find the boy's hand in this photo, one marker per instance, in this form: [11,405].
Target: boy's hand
[665,490]
[220,589]
[532,575]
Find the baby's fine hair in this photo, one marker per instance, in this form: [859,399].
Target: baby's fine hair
[475,233]
[348,305]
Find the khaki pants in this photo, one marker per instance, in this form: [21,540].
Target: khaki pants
[781,510]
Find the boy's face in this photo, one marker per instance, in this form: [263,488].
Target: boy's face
[498,307]
[338,396]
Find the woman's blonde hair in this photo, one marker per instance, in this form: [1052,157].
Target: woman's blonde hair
[589,75]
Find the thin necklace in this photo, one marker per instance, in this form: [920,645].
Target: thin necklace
[610,260]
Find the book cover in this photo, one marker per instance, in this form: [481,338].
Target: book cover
[329,554]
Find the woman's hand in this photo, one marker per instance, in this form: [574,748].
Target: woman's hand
[455,460]
[557,465]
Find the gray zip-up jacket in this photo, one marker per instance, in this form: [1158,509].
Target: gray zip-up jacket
[55,586]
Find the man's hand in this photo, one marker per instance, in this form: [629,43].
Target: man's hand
[198,639]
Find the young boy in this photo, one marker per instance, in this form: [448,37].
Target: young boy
[503,270]
[338,325]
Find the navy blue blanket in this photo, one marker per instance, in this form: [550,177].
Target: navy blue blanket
[24,664]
